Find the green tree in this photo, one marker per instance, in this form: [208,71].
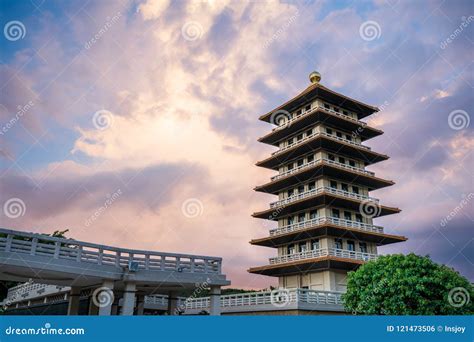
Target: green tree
[407,285]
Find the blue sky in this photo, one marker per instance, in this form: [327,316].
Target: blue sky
[181,86]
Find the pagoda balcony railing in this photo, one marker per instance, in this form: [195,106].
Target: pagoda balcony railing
[319,190]
[314,109]
[325,220]
[317,253]
[317,161]
[270,298]
[250,299]
[51,293]
[314,134]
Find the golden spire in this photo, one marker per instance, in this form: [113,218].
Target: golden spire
[315,77]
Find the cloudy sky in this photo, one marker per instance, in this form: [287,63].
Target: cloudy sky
[152,107]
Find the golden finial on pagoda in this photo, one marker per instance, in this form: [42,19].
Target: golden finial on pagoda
[315,77]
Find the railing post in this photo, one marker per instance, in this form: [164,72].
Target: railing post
[117,258]
[34,243]
[162,262]
[178,262]
[9,242]
[193,262]
[101,255]
[79,253]
[147,261]
[57,247]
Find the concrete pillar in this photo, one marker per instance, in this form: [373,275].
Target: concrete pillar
[329,281]
[215,301]
[74,296]
[172,303]
[93,309]
[106,298]
[129,298]
[115,306]
[140,304]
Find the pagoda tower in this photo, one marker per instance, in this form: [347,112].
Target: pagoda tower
[323,218]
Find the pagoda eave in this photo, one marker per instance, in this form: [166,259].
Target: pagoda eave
[324,169]
[322,142]
[320,115]
[315,91]
[320,199]
[325,231]
[307,265]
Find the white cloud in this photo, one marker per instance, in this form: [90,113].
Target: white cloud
[153,9]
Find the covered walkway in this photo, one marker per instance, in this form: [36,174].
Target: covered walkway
[116,274]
